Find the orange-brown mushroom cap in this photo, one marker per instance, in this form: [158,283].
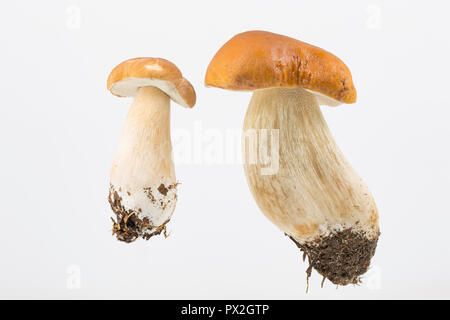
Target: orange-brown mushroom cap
[259,59]
[127,77]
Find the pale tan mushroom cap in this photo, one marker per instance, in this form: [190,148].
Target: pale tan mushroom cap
[127,77]
[259,59]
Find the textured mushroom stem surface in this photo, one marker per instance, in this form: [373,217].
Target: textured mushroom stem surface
[143,191]
[315,197]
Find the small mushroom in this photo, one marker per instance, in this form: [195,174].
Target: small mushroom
[143,186]
[315,197]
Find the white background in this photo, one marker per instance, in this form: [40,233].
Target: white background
[59,127]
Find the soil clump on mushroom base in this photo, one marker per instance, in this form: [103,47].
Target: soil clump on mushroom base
[341,257]
[128,226]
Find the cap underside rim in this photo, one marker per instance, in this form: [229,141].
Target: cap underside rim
[128,88]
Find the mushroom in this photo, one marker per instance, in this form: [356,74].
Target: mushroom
[315,197]
[143,186]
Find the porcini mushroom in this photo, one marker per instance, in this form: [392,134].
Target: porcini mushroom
[315,197]
[143,186]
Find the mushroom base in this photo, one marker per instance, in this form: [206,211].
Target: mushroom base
[128,225]
[340,256]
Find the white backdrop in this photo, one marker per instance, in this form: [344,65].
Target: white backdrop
[59,127]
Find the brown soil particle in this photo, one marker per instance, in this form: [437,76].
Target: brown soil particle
[162,189]
[341,257]
[128,227]
[148,192]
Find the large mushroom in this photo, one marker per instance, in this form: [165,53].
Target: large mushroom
[143,186]
[315,197]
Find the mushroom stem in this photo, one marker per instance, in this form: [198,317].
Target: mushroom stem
[316,198]
[143,182]
[146,140]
